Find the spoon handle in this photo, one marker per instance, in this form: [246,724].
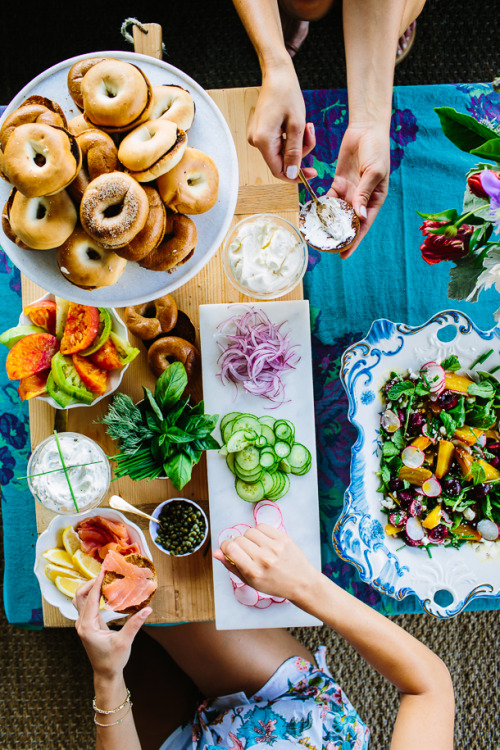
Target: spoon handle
[305,182]
[118,503]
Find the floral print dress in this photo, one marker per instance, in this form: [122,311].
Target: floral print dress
[299,705]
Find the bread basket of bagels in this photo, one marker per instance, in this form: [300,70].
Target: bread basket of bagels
[119,179]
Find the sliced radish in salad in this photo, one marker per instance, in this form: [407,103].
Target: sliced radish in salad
[431,487]
[414,529]
[389,421]
[425,431]
[488,530]
[279,599]
[268,512]
[435,377]
[412,457]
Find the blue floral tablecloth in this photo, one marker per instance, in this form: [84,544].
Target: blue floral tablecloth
[386,277]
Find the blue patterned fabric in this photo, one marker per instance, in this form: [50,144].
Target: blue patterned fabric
[386,277]
[300,705]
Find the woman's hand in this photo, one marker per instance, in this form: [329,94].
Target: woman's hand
[362,173]
[108,650]
[269,561]
[278,127]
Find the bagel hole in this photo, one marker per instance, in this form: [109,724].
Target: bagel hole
[194,180]
[114,210]
[40,160]
[92,253]
[149,312]
[110,88]
[41,211]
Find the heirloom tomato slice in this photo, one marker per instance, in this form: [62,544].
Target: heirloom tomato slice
[42,314]
[82,326]
[107,356]
[33,385]
[93,377]
[67,379]
[30,355]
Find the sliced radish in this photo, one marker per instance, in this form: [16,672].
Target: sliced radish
[435,376]
[227,534]
[412,457]
[237,583]
[268,512]
[414,529]
[279,599]
[446,518]
[482,439]
[263,603]
[389,421]
[242,527]
[425,431]
[488,530]
[431,487]
[246,595]
[264,596]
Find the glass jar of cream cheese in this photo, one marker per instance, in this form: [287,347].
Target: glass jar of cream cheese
[81,486]
[264,256]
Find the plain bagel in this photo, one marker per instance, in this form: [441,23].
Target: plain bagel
[192,186]
[152,149]
[173,103]
[40,159]
[34,109]
[75,77]
[86,264]
[117,96]
[99,156]
[114,209]
[43,222]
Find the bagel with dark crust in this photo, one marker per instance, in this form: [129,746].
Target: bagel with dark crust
[75,77]
[34,109]
[177,246]
[99,156]
[168,349]
[150,319]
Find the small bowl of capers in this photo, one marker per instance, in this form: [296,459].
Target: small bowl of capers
[182,527]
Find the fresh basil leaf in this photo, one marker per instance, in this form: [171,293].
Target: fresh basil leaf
[192,452]
[153,422]
[171,385]
[150,399]
[397,390]
[478,473]
[463,131]
[483,390]
[207,444]
[172,416]
[176,435]
[179,469]
[451,363]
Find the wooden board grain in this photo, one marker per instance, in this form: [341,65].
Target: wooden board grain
[185,591]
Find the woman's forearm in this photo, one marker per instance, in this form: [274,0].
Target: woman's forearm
[111,692]
[262,23]
[371,32]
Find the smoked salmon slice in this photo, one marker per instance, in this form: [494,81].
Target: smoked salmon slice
[132,586]
[99,534]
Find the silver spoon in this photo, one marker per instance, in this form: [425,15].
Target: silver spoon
[323,211]
[118,503]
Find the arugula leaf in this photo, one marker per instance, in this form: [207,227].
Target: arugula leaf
[171,385]
[458,412]
[449,423]
[478,473]
[422,389]
[481,415]
[398,389]
[484,389]
[389,449]
[451,363]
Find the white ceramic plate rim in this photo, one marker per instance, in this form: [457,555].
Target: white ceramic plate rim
[114,377]
[48,540]
[183,274]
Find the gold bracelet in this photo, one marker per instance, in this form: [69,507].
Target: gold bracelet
[113,710]
[114,723]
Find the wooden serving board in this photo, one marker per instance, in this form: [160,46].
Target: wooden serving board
[185,585]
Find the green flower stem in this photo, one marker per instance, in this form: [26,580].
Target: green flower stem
[53,471]
[65,471]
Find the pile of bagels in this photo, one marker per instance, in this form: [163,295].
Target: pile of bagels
[112,185]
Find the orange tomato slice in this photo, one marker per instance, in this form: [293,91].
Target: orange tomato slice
[82,326]
[107,357]
[93,377]
[30,355]
[34,385]
[42,314]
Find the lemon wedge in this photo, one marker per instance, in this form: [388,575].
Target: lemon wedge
[52,571]
[71,540]
[58,557]
[68,586]
[86,564]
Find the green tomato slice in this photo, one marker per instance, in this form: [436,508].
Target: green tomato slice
[13,335]
[68,380]
[126,352]
[60,397]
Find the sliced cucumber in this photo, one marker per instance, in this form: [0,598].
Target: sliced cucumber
[268,481]
[299,456]
[230,461]
[252,492]
[247,422]
[284,430]
[285,466]
[227,430]
[239,440]
[261,442]
[268,434]
[229,418]
[249,476]
[267,420]
[267,458]
[247,458]
[281,449]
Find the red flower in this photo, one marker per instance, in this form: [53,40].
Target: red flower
[475,186]
[438,247]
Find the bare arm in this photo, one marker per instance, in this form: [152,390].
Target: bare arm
[280,108]
[271,562]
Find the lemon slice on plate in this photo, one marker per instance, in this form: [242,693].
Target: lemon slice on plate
[71,540]
[58,557]
[52,571]
[86,564]
[68,586]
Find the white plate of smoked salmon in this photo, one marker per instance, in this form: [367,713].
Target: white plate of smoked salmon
[67,554]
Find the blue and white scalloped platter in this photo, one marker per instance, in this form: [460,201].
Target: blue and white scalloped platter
[446,582]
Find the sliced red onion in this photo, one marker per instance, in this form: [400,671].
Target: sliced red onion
[268,512]
[488,530]
[246,595]
[256,354]
[431,487]
[389,421]
[445,516]
[412,457]
[414,529]
[435,376]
